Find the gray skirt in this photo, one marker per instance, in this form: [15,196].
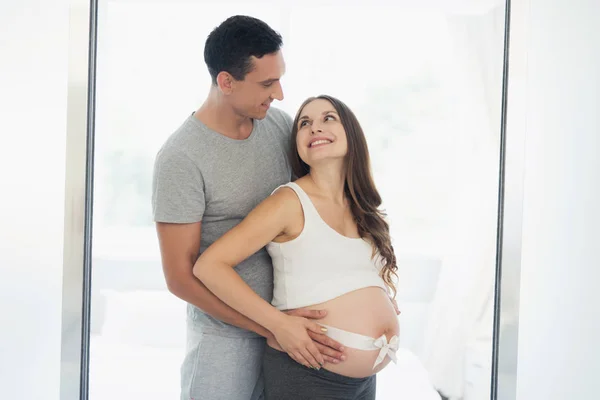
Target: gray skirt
[285,379]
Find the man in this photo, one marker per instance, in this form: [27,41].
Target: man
[226,157]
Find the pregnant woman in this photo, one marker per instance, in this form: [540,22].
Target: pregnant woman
[331,250]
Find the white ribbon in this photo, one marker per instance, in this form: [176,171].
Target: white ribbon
[388,349]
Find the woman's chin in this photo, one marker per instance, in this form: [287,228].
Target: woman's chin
[322,161]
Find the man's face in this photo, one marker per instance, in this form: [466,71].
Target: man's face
[252,96]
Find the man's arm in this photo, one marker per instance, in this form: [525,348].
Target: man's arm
[179,245]
[178,205]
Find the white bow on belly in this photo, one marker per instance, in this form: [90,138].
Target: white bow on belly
[388,349]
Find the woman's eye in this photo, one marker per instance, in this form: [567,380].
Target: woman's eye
[329,118]
[303,123]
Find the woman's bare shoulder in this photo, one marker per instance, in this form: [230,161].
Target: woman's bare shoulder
[284,197]
[285,206]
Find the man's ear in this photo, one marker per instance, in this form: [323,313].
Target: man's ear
[225,82]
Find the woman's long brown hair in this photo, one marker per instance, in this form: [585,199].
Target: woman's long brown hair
[359,187]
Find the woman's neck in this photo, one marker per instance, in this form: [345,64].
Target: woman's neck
[330,182]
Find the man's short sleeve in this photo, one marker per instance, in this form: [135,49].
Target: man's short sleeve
[289,121]
[177,188]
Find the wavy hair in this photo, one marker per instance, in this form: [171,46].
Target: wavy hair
[359,188]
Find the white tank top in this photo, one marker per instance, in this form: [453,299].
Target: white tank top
[320,264]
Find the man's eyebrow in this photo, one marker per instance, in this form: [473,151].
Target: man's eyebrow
[269,81]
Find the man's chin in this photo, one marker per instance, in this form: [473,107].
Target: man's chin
[260,115]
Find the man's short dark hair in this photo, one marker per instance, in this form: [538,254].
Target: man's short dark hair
[230,45]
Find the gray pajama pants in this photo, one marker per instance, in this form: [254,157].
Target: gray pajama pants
[222,368]
[285,379]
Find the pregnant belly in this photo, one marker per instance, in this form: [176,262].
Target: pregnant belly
[368,312]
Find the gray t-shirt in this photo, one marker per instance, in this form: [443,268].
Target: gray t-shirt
[201,175]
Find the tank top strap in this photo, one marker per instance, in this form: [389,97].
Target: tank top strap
[310,212]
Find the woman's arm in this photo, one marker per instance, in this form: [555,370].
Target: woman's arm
[214,268]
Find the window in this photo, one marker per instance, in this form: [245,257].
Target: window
[425,85]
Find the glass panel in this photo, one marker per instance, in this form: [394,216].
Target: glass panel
[424,82]
[34,58]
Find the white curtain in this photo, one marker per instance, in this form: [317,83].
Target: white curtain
[457,350]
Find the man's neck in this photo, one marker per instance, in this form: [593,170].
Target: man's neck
[219,116]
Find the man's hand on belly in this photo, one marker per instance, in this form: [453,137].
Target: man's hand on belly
[332,351]
[271,341]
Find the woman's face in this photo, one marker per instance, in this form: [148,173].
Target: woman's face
[321,135]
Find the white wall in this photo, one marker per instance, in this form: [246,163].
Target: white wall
[559,333]
[33,95]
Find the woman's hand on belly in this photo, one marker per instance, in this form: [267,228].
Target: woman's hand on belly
[330,356]
[332,351]
[291,334]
